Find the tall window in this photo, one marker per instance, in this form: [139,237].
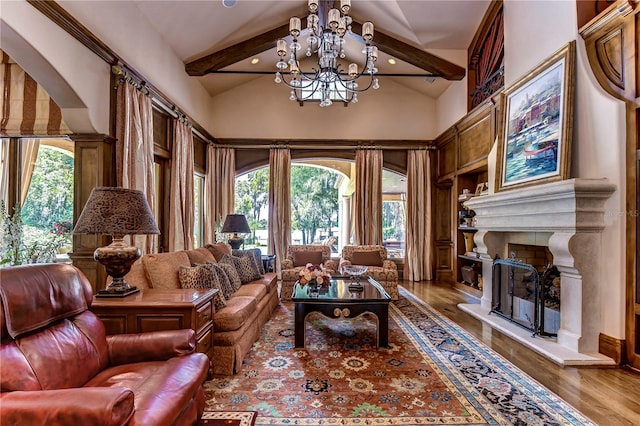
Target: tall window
[252,200]
[45,170]
[394,193]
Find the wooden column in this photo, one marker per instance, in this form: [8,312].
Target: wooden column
[612,40]
[94,166]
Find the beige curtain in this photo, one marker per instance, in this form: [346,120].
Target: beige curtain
[219,188]
[419,240]
[134,151]
[28,156]
[368,202]
[181,209]
[279,204]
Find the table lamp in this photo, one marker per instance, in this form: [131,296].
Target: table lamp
[236,224]
[116,212]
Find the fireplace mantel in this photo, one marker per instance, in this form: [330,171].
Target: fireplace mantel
[568,217]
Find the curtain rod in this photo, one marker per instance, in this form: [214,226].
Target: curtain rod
[341,147]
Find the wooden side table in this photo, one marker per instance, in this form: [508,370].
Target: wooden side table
[160,309]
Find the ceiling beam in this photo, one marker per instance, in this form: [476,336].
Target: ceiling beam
[237,52]
[265,41]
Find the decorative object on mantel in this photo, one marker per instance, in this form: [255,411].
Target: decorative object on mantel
[534,145]
[326,29]
[236,224]
[116,212]
[466,195]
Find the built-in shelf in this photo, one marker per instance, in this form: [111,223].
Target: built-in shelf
[473,259]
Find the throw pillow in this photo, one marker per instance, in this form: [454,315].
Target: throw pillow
[301,258]
[256,262]
[232,274]
[199,276]
[257,255]
[226,288]
[369,258]
[243,266]
[218,250]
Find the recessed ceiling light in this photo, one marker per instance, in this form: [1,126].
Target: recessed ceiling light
[229,3]
[255,61]
[392,61]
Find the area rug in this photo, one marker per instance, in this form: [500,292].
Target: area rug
[229,418]
[432,373]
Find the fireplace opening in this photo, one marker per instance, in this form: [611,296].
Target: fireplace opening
[526,289]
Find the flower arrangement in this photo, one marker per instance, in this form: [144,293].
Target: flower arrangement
[62,228]
[314,276]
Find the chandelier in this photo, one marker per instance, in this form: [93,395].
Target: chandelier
[326,39]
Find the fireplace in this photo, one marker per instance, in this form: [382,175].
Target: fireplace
[566,218]
[526,294]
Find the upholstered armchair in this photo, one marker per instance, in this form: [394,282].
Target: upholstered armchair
[379,267]
[297,258]
[58,367]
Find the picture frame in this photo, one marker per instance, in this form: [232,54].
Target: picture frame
[480,189]
[534,143]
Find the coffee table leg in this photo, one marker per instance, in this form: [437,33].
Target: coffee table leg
[383,327]
[299,325]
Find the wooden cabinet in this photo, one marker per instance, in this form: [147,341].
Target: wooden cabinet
[160,309]
[462,157]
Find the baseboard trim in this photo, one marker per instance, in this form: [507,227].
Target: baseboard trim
[612,347]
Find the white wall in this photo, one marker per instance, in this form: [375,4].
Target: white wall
[262,109]
[128,33]
[598,140]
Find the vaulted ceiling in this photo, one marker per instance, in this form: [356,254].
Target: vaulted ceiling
[218,43]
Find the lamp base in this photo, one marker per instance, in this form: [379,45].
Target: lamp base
[117,292]
[236,242]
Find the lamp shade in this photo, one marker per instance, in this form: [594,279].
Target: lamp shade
[116,212]
[236,223]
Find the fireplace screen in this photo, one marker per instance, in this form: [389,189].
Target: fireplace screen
[526,296]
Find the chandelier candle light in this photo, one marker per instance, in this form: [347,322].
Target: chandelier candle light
[326,39]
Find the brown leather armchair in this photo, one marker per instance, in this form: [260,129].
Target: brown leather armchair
[57,366]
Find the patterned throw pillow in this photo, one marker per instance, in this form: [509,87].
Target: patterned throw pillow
[199,276]
[232,274]
[226,288]
[244,266]
[255,255]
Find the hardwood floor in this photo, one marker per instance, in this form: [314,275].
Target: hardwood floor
[607,395]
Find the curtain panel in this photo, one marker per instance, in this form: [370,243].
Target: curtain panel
[279,204]
[219,189]
[27,109]
[28,156]
[419,237]
[368,197]
[134,151]
[181,208]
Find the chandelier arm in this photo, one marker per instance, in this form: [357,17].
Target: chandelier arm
[344,84]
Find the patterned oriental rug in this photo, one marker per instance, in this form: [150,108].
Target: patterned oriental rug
[433,373]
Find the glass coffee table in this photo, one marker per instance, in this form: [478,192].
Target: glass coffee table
[344,299]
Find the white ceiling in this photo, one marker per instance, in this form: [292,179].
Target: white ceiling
[194,29]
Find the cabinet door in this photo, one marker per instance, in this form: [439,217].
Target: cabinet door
[443,243]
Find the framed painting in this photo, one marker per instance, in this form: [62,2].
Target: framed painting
[534,144]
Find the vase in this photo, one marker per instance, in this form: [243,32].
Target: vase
[300,291]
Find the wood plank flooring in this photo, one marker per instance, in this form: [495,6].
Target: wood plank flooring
[609,396]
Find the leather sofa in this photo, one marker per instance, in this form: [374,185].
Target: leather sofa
[57,366]
[236,326]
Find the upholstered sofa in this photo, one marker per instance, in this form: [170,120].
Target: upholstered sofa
[380,268]
[58,367]
[297,258]
[237,325]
